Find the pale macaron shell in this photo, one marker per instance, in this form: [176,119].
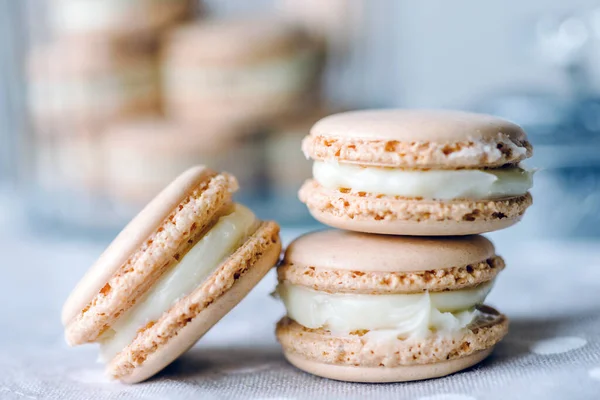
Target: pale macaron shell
[342,250]
[408,138]
[88,311]
[409,125]
[372,213]
[405,373]
[336,261]
[191,317]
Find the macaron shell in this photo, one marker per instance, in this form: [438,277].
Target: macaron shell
[401,216]
[189,319]
[383,374]
[359,349]
[417,139]
[343,250]
[149,244]
[361,282]
[416,125]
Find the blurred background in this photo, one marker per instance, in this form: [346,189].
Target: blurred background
[103,102]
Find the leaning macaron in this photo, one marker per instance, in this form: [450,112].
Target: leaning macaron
[188,258]
[238,69]
[417,172]
[375,308]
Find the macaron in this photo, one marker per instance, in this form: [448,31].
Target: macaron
[180,265]
[81,84]
[377,308]
[248,70]
[417,172]
[116,18]
[142,155]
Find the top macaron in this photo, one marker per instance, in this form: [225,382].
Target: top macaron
[417,172]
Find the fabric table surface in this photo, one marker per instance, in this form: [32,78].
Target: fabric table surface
[550,291]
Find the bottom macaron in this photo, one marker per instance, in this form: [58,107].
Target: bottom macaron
[376,308]
[360,357]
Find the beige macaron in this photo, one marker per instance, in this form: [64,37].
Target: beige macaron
[238,69]
[188,258]
[80,84]
[141,156]
[375,308]
[116,18]
[417,172]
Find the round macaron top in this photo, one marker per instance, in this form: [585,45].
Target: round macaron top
[417,126]
[344,250]
[233,40]
[131,239]
[403,138]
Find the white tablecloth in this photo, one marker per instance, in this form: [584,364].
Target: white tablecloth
[551,292]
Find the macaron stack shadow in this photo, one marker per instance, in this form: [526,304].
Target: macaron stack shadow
[180,265]
[398,294]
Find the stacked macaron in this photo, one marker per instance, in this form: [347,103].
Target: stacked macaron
[373,304]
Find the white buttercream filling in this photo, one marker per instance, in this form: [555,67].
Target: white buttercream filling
[406,315]
[283,75]
[193,269]
[428,184]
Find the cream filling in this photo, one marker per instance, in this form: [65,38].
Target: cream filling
[107,91]
[405,315]
[428,184]
[290,74]
[194,268]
